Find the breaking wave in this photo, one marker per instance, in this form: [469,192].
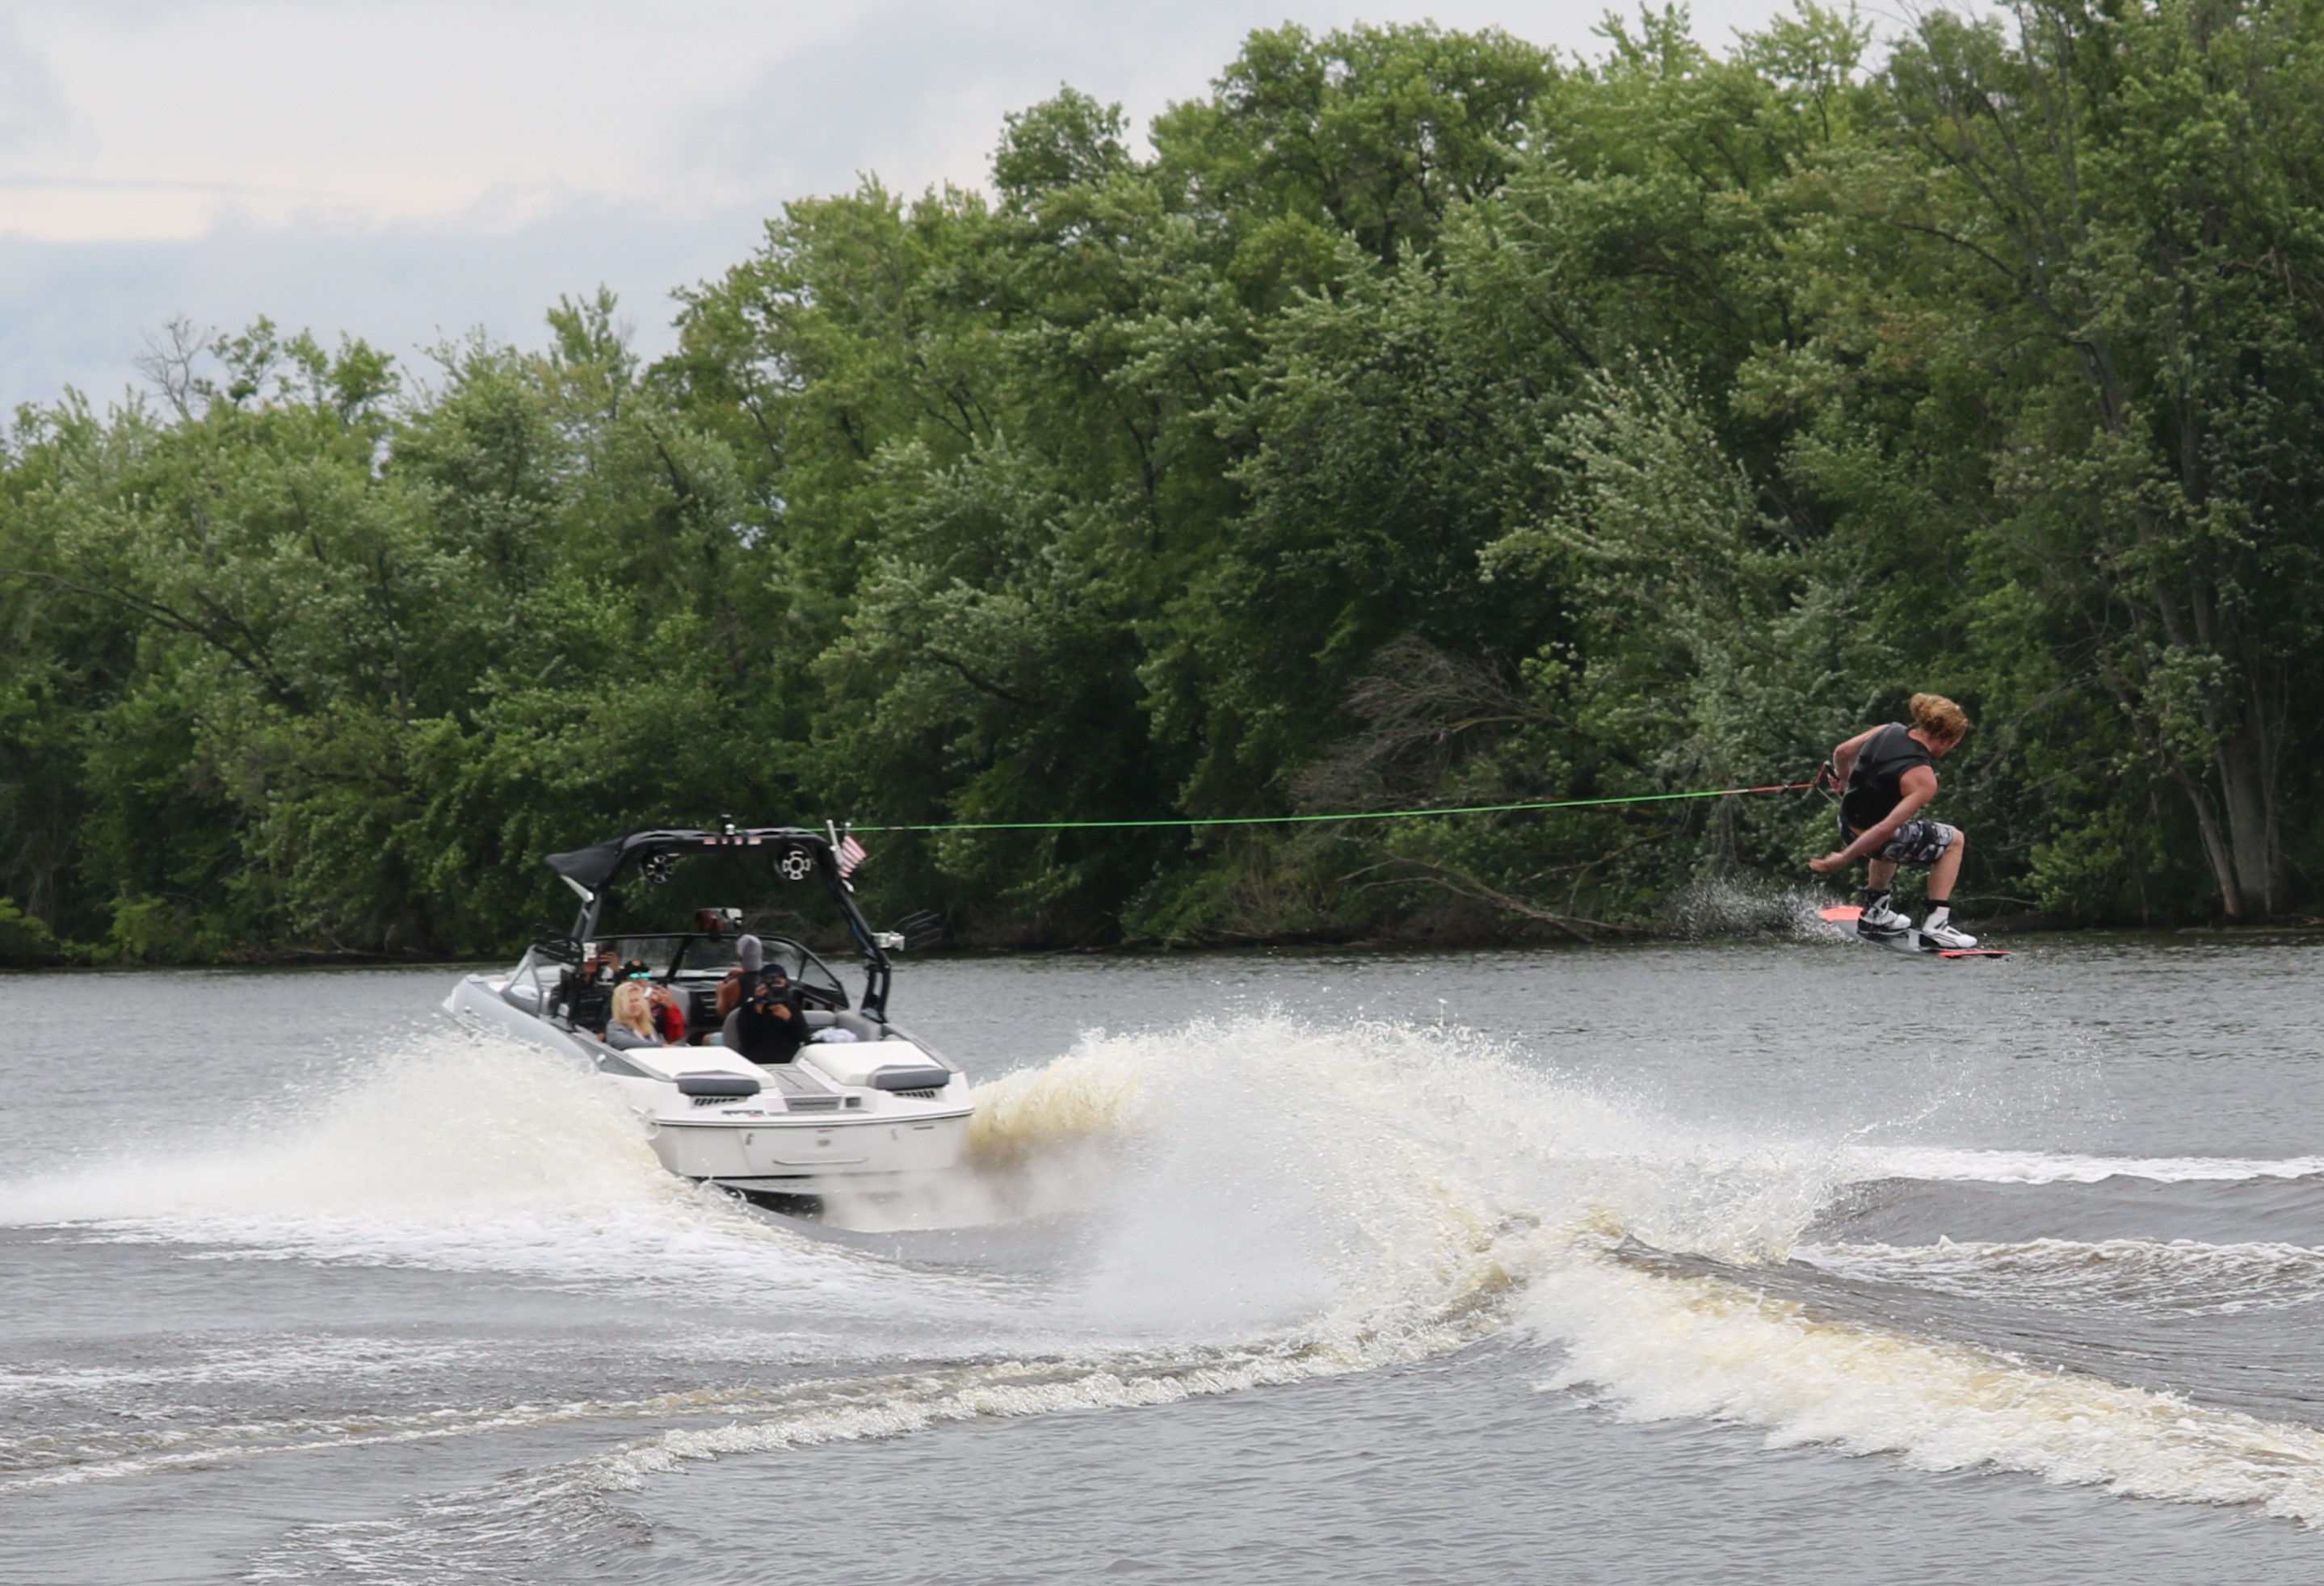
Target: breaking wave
[1660,1346]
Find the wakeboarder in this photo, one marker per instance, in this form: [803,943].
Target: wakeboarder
[1889,776]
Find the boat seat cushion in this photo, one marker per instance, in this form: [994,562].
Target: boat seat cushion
[854,1062]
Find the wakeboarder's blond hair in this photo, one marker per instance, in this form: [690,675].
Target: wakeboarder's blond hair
[1940,717]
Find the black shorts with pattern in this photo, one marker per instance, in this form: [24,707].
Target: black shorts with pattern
[1917,842]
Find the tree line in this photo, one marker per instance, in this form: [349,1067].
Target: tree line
[1426,420]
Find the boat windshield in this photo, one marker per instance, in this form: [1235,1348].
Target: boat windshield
[685,954]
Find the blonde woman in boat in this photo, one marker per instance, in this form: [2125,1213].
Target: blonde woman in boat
[632,1020]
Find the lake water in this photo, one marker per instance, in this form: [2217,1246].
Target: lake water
[1770,1261]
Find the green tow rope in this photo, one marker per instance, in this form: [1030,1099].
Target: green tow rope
[1714,793]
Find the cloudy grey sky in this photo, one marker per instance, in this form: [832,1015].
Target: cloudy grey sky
[407,170]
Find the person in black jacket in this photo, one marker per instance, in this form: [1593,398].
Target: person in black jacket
[1890,776]
[768,1024]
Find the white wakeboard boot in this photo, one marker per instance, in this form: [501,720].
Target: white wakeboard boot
[1941,932]
[1880,918]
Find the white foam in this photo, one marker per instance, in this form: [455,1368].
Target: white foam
[1939,1164]
[460,1153]
[1662,1346]
[2183,1276]
[446,1124]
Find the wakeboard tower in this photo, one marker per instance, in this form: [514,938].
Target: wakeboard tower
[1908,941]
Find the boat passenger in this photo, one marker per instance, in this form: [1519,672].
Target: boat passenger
[632,1020]
[669,1017]
[769,1024]
[749,963]
[1889,776]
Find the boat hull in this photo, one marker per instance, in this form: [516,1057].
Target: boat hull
[763,1154]
[859,1141]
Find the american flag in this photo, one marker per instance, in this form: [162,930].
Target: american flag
[850,854]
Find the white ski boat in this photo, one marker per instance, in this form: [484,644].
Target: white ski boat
[860,1106]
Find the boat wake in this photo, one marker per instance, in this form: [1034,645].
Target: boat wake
[2011,1167]
[457,1154]
[1660,1346]
[1225,1205]
[2182,1277]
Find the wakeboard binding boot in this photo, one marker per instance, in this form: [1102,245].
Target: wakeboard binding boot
[1880,918]
[1942,933]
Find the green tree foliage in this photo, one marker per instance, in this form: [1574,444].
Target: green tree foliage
[1413,418]
[2135,197]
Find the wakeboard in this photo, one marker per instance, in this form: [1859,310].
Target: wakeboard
[1908,942]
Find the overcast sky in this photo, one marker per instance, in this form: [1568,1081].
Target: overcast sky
[407,170]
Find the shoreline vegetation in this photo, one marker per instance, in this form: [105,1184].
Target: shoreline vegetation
[2292,929]
[1419,417]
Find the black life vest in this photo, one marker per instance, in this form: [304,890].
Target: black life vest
[1876,783]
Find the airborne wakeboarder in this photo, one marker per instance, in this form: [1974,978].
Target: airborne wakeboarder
[1890,776]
